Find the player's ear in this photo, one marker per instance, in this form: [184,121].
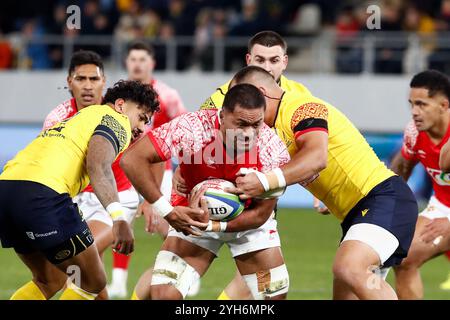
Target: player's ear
[263,91]
[69,80]
[248,58]
[119,104]
[285,61]
[445,104]
[221,116]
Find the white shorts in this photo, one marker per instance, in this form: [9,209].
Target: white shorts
[379,239]
[435,209]
[92,209]
[266,236]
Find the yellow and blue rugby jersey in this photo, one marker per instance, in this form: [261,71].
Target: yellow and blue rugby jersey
[57,157]
[215,101]
[353,168]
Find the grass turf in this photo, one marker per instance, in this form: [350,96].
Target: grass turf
[309,242]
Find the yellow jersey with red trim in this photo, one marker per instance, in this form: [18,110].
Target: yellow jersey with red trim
[215,101]
[57,157]
[353,168]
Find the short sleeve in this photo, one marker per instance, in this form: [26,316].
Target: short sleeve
[409,141]
[215,101]
[61,112]
[175,137]
[111,129]
[272,151]
[310,116]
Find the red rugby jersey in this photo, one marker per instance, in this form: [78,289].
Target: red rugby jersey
[417,146]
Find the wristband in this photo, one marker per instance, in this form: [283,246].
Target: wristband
[270,181]
[116,211]
[216,226]
[276,179]
[162,207]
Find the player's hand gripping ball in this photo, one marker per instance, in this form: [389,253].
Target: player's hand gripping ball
[222,205]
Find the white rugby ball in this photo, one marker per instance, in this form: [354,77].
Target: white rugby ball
[222,205]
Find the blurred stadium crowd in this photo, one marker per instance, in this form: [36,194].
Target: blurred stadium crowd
[204,22]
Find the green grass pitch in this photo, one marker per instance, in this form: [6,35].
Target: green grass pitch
[309,242]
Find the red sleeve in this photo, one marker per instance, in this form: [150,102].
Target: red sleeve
[175,136]
[157,144]
[62,112]
[410,136]
[272,151]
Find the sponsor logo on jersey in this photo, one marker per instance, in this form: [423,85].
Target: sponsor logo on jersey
[441,178]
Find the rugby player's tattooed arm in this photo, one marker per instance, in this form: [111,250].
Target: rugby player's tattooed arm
[100,156]
[444,157]
[401,166]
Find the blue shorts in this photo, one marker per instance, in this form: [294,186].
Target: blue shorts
[392,206]
[34,217]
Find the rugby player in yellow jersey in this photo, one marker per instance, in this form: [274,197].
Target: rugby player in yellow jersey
[332,160]
[38,218]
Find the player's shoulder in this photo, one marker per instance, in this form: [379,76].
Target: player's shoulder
[203,118]
[215,101]
[268,137]
[271,149]
[103,112]
[294,86]
[298,107]
[65,109]
[411,134]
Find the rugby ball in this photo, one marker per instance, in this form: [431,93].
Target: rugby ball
[222,205]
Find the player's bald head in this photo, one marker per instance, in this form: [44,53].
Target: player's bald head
[254,75]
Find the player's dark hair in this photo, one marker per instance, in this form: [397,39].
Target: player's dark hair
[246,96]
[142,94]
[433,80]
[83,57]
[140,45]
[267,39]
[249,72]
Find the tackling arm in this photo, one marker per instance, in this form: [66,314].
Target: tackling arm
[311,158]
[100,157]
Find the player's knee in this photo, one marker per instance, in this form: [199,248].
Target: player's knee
[344,273]
[95,282]
[268,284]
[49,282]
[165,292]
[172,276]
